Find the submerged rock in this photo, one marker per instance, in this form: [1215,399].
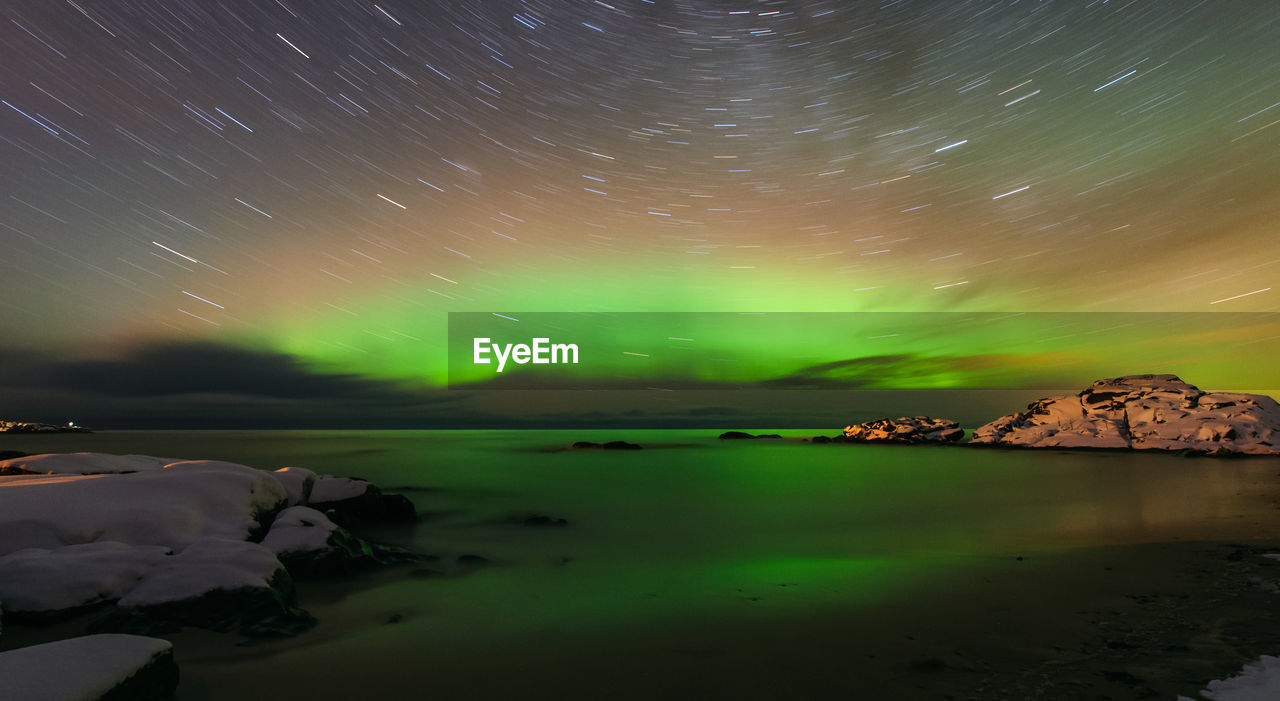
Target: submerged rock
[611,445]
[905,429]
[116,667]
[542,520]
[1143,412]
[621,445]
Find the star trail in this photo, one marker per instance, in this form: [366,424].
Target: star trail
[329,179]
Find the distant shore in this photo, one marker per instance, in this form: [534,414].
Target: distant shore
[30,427]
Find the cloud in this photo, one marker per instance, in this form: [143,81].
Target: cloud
[902,371]
[215,385]
[191,368]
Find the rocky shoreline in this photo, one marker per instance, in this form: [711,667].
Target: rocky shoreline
[1132,412]
[150,545]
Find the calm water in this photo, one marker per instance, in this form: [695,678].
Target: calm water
[695,567]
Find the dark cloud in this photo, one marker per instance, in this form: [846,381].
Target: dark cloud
[890,371]
[191,368]
[212,385]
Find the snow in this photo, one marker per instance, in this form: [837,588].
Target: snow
[297,481]
[82,463]
[1258,681]
[78,668]
[76,575]
[299,529]
[1144,412]
[88,528]
[173,506]
[205,566]
[329,489]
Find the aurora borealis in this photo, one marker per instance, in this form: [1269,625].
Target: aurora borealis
[326,181]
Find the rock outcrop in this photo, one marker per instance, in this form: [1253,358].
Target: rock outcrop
[223,585]
[172,505]
[103,667]
[352,502]
[1143,412]
[160,544]
[307,541]
[904,429]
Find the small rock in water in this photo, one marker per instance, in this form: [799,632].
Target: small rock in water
[611,445]
[540,520]
[742,435]
[621,445]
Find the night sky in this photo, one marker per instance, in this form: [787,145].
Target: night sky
[318,183]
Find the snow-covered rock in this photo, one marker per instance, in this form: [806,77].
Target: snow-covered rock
[308,541]
[40,581]
[300,529]
[169,542]
[297,482]
[219,584]
[1144,412]
[1258,681]
[330,489]
[81,464]
[90,668]
[351,501]
[905,429]
[222,585]
[173,506]
[205,566]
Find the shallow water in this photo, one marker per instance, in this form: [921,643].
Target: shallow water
[693,568]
